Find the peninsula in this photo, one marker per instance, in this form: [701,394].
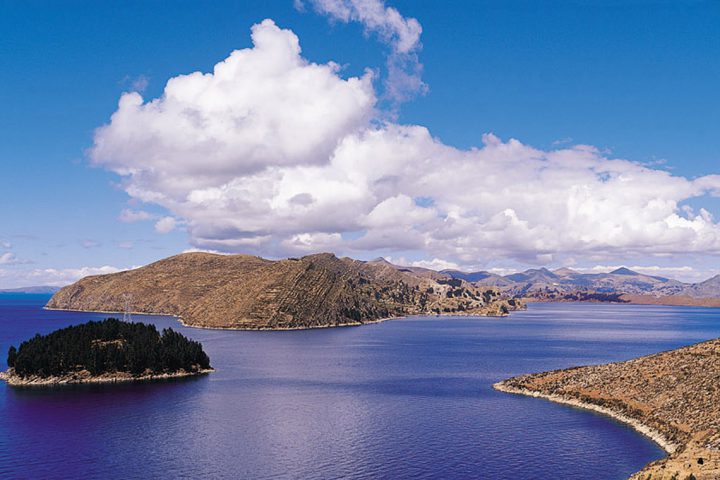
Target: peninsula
[248,292]
[104,352]
[673,397]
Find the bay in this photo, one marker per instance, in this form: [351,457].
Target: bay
[409,398]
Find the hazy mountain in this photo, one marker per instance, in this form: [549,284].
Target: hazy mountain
[565,272]
[541,275]
[470,276]
[566,283]
[708,288]
[623,271]
[39,289]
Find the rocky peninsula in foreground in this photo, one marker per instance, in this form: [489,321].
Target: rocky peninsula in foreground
[673,397]
[110,351]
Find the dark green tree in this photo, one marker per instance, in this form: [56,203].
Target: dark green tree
[12,355]
[106,347]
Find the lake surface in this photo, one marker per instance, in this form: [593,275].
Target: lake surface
[408,398]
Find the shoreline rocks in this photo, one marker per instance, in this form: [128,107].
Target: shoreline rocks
[653,435]
[84,377]
[672,397]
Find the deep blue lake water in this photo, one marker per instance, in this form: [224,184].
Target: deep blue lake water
[407,398]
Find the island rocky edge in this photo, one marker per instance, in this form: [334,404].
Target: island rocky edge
[85,377]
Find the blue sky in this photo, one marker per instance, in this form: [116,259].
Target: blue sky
[635,79]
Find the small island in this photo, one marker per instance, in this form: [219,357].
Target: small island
[105,351]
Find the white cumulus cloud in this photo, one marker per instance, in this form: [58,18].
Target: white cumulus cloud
[259,107]
[88,243]
[49,276]
[273,154]
[165,225]
[400,33]
[8,258]
[434,264]
[131,216]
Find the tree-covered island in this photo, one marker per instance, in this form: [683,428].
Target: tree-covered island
[105,351]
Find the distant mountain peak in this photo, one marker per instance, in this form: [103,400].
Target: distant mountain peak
[469,276]
[540,271]
[712,280]
[564,271]
[380,260]
[533,275]
[623,271]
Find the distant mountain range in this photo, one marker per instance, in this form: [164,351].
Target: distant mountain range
[621,284]
[565,284]
[39,289]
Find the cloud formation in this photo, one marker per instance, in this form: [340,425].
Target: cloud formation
[165,225]
[88,243]
[8,258]
[131,216]
[262,106]
[434,264]
[275,155]
[49,276]
[401,34]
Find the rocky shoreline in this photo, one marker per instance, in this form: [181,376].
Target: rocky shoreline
[672,397]
[652,434]
[84,377]
[281,329]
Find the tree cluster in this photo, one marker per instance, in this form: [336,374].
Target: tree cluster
[107,346]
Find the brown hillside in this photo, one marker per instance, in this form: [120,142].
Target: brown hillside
[676,394]
[242,291]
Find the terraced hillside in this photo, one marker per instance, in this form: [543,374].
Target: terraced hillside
[243,291]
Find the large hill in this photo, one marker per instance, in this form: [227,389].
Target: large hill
[248,292]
